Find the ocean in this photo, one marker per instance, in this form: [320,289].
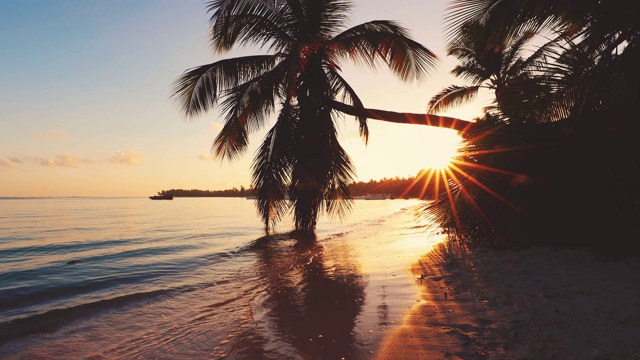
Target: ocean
[196,278]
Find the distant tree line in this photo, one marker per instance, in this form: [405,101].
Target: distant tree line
[234,192]
[407,187]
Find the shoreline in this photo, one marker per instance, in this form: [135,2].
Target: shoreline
[537,303]
[352,293]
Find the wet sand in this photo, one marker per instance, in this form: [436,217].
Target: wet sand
[539,303]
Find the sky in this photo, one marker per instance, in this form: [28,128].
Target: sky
[85,107]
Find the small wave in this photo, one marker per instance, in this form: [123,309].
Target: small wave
[264,241]
[27,291]
[22,296]
[336,235]
[53,319]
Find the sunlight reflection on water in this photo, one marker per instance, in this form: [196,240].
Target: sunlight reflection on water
[181,280]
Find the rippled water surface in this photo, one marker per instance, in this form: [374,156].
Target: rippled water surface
[196,278]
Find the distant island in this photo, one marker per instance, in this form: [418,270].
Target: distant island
[235,192]
[407,187]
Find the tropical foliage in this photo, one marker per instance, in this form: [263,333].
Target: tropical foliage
[300,81]
[564,172]
[234,192]
[587,54]
[497,64]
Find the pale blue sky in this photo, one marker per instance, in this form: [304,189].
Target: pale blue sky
[85,108]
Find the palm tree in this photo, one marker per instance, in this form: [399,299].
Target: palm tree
[299,79]
[541,183]
[495,63]
[599,46]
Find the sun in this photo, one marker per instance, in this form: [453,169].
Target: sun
[441,149]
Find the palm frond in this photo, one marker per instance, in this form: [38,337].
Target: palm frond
[539,59]
[524,98]
[526,15]
[515,49]
[462,49]
[271,168]
[349,96]
[385,42]
[459,12]
[198,89]
[560,106]
[472,72]
[242,22]
[572,77]
[452,96]
[338,199]
[231,141]
[247,106]
[246,30]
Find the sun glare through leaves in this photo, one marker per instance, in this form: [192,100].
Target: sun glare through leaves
[450,175]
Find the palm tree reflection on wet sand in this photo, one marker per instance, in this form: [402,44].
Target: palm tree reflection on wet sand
[310,304]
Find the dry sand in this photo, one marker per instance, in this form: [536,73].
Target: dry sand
[538,303]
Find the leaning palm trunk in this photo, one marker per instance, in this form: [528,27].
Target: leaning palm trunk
[460,125]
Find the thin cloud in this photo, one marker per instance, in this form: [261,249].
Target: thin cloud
[128,157]
[53,134]
[9,164]
[63,160]
[205,157]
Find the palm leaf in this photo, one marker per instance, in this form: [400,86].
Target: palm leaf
[271,168]
[231,141]
[471,71]
[248,21]
[338,199]
[349,96]
[377,42]
[247,107]
[452,96]
[526,15]
[514,51]
[198,89]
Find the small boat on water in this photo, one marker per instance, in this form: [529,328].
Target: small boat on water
[253,197]
[161,197]
[375,197]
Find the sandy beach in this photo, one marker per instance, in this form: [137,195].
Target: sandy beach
[538,303]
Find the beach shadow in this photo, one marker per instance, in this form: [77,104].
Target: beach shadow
[536,303]
[447,324]
[311,300]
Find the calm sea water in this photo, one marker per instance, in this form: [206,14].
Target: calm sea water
[128,278]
